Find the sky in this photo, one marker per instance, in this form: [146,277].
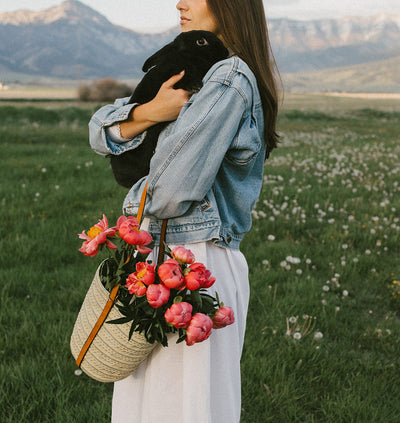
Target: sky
[159,15]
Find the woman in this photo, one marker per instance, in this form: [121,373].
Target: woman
[205,177]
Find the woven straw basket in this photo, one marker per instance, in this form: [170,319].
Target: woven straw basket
[111,356]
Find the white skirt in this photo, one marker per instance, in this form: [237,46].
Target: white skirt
[200,383]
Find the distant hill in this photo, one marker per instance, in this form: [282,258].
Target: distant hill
[73,41]
[375,77]
[319,44]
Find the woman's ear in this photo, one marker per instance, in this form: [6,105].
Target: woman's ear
[158,56]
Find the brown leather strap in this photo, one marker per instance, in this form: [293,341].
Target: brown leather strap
[162,240]
[103,316]
[141,205]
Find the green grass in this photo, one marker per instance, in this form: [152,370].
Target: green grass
[328,217]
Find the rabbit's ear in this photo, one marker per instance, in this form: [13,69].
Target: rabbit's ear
[158,56]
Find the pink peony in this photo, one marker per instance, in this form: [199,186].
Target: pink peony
[179,315]
[223,317]
[138,281]
[183,255]
[128,228]
[170,273]
[145,272]
[96,236]
[135,286]
[157,295]
[199,329]
[198,276]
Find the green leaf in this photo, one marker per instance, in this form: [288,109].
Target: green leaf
[196,300]
[120,321]
[182,336]
[167,250]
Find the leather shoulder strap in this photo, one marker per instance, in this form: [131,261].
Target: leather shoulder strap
[141,205]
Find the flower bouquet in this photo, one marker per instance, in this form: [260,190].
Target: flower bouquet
[154,299]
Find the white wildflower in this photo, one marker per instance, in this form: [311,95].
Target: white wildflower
[318,336]
[293,260]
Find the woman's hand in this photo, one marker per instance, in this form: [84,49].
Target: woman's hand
[168,102]
[164,107]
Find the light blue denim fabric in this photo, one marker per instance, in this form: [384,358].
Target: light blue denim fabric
[207,171]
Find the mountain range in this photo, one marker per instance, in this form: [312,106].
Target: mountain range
[73,41]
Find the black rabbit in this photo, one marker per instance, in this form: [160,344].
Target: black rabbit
[194,52]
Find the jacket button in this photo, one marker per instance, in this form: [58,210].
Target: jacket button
[228,239]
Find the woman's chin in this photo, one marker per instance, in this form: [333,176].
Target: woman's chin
[186,28]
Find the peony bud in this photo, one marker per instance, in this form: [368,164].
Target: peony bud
[170,273]
[183,255]
[198,277]
[223,317]
[179,315]
[199,329]
[157,295]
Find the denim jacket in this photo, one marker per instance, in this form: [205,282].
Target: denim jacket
[207,171]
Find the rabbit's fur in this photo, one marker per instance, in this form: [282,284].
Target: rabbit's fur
[194,52]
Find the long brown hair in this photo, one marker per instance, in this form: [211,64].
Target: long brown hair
[243,27]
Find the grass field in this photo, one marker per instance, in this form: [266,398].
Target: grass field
[322,343]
